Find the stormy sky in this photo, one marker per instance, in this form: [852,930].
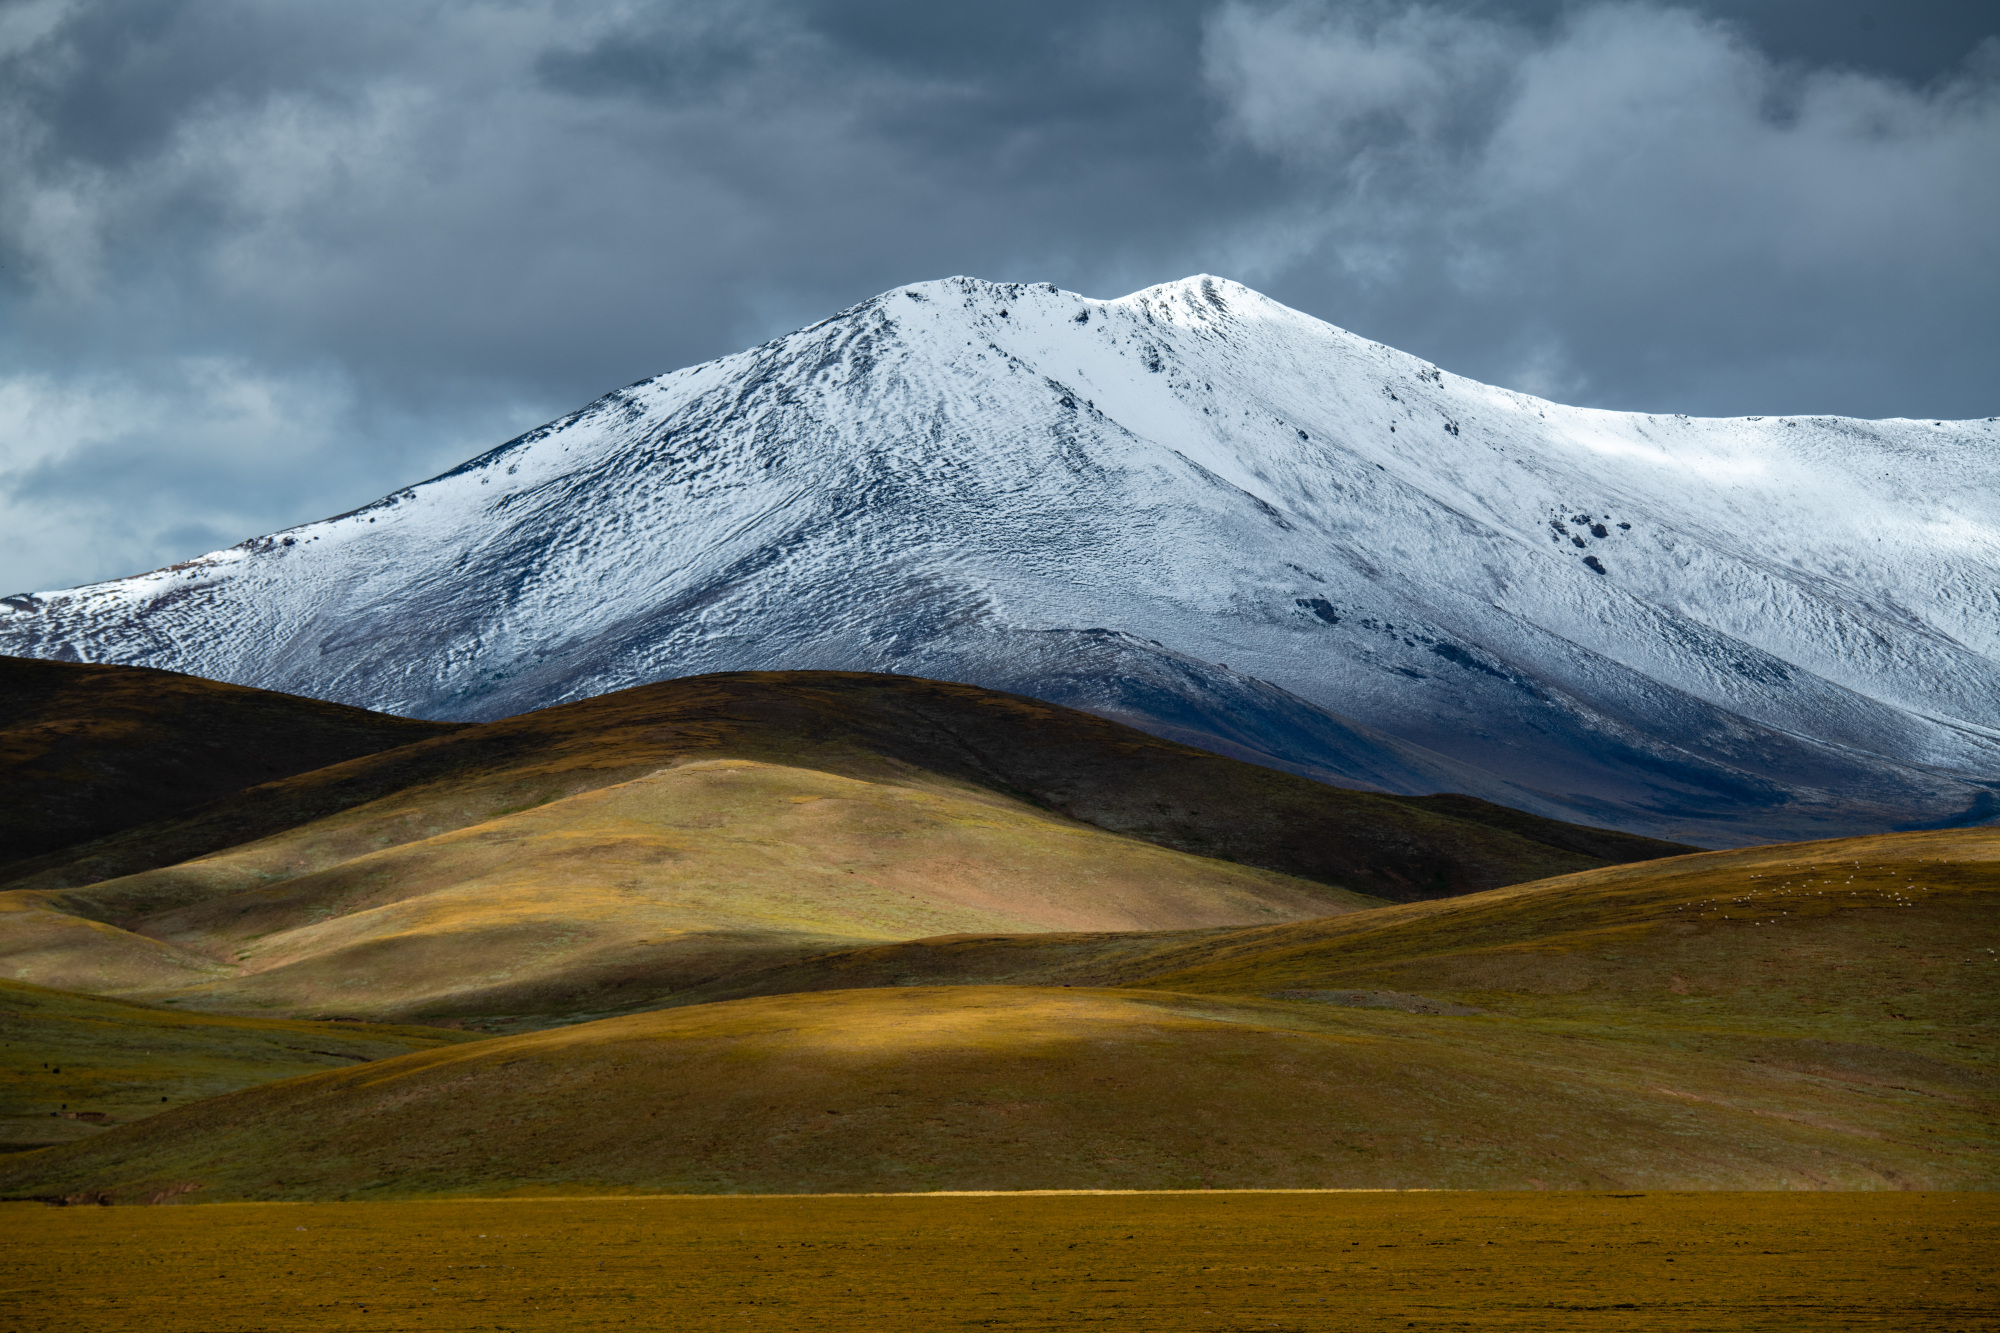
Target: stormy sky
[261,262]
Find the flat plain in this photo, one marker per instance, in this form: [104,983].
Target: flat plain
[1201,1262]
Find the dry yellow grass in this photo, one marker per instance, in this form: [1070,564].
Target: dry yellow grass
[588,858]
[1812,1016]
[624,893]
[1164,1263]
[1892,940]
[1882,944]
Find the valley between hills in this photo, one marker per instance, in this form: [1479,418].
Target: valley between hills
[806,932]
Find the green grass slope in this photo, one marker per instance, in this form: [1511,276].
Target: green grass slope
[87,751]
[73,1065]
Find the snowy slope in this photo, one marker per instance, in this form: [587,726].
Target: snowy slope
[1718,630]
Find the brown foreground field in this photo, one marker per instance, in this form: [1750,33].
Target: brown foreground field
[1164,1263]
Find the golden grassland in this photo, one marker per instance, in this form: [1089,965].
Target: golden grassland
[626,893]
[1165,1263]
[74,1065]
[1887,938]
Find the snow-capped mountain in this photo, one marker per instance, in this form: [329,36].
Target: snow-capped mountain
[1200,511]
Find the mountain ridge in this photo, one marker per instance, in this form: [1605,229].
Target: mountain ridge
[1164,508]
[86,751]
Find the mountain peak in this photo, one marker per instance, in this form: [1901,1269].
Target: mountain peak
[1193,509]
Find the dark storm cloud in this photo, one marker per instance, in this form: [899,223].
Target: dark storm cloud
[259,262]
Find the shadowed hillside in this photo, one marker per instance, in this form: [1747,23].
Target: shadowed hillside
[74,1065]
[608,853]
[1811,1016]
[873,726]
[86,751]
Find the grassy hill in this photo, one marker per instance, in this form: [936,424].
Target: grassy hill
[1895,932]
[629,892]
[1029,1087]
[610,853]
[87,751]
[1808,1016]
[878,727]
[74,1065]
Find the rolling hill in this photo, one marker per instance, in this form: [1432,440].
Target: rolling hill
[1024,1087]
[609,853]
[73,1065]
[86,751]
[1893,936]
[1804,1016]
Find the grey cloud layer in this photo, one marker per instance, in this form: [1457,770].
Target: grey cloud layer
[1636,209]
[261,262]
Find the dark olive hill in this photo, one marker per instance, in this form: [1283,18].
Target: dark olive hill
[1019,1087]
[1071,763]
[86,751]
